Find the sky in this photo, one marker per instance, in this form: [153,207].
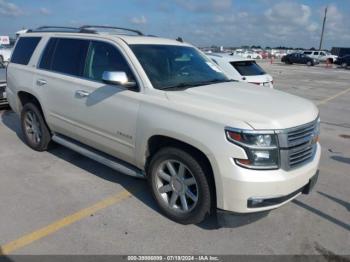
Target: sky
[293,23]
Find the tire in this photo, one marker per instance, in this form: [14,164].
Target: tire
[344,65]
[309,63]
[193,187]
[34,128]
[1,59]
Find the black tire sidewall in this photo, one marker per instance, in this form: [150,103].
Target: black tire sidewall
[45,133]
[204,193]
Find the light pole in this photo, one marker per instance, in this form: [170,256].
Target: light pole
[323,26]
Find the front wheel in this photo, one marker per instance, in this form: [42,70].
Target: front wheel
[180,186]
[344,65]
[35,131]
[309,63]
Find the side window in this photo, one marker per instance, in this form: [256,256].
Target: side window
[307,53]
[46,58]
[315,53]
[24,50]
[69,56]
[104,57]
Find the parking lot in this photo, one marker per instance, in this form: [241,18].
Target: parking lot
[59,202]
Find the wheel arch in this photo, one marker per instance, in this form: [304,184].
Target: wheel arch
[157,142]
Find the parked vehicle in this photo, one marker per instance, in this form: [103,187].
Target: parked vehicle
[5,54]
[297,58]
[251,54]
[322,56]
[340,51]
[343,61]
[242,69]
[160,109]
[3,100]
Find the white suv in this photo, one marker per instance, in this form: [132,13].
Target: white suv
[322,56]
[242,69]
[160,109]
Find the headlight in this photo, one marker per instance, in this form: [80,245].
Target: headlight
[261,148]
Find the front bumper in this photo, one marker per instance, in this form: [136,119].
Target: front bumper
[238,186]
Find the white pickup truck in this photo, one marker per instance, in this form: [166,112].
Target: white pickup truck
[159,109]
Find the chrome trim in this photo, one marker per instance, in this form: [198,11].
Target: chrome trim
[288,147]
[94,155]
[256,167]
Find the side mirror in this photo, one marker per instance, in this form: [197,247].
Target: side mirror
[117,78]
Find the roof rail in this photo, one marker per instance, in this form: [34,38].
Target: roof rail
[92,27]
[88,29]
[55,29]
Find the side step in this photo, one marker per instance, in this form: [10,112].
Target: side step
[98,156]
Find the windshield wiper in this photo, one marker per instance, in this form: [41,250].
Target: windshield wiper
[180,86]
[183,86]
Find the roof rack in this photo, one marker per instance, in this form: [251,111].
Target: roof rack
[92,27]
[87,29]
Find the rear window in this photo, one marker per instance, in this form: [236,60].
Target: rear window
[68,56]
[248,68]
[24,50]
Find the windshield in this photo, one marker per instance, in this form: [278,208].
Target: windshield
[248,68]
[171,67]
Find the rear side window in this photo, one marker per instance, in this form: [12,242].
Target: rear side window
[248,68]
[307,53]
[68,56]
[24,50]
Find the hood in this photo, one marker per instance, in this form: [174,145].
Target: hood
[260,108]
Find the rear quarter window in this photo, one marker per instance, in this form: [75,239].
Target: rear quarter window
[248,68]
[24,50]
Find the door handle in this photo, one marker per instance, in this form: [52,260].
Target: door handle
[41,82]
[82,93]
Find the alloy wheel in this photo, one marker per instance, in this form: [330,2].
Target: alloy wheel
[177,186]
[32,127]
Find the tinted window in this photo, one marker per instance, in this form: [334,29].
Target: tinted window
[24,50]
[316,53]
[307,53]
[248,68]
[69,56]
[46,59]
[104,57]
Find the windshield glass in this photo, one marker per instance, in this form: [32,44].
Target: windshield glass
[248,68]
[171,67]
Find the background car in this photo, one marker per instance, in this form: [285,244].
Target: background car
[5,54]
[322,56]
[3,100]
[242,69]
[298,58]
[343,61]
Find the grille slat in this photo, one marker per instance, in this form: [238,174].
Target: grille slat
[300,146]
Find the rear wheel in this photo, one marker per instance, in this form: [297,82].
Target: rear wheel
[309,63]
[180,186]
[35,131]
[1,59]
[344,65]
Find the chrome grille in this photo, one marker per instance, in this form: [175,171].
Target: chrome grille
[297,145]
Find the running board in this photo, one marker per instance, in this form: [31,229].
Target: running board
[98,156]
